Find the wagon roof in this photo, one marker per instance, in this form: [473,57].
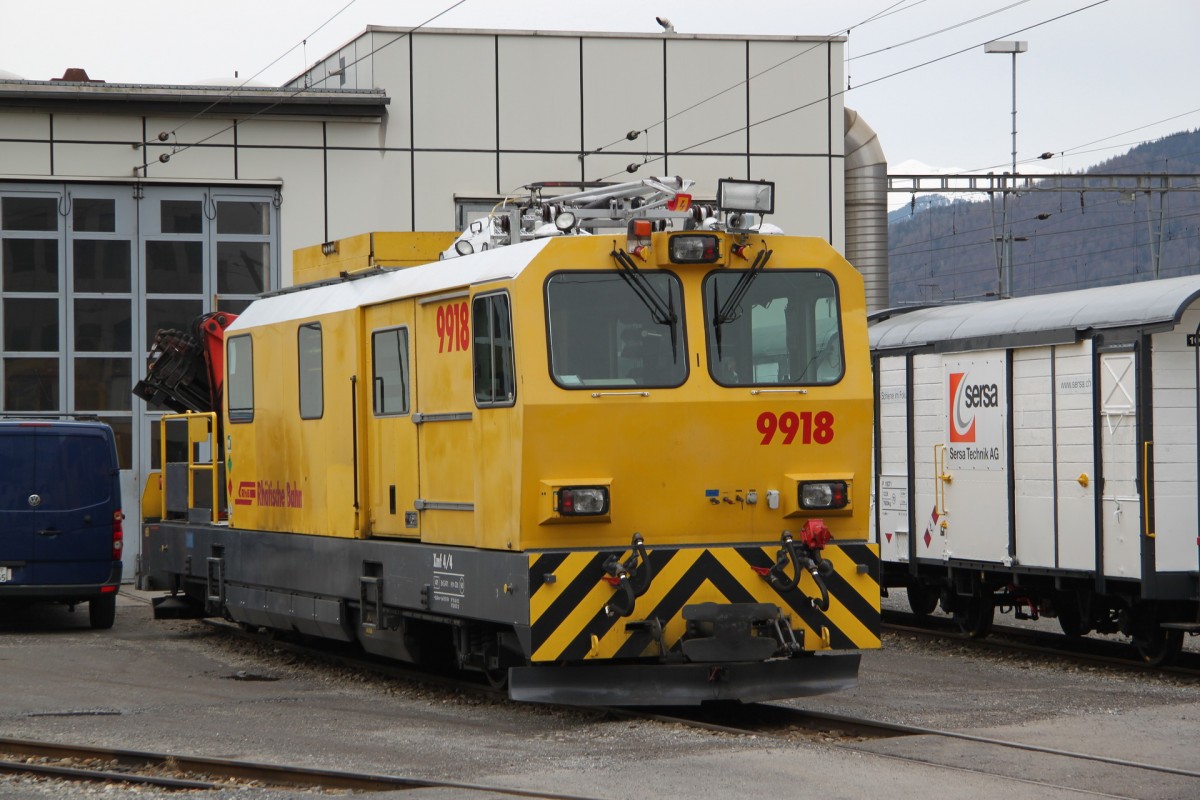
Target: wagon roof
[1040,319]
[493,265]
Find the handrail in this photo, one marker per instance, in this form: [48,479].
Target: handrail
[209,427]
[941,478]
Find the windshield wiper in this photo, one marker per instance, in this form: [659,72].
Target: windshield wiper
[727,312]
[661,311]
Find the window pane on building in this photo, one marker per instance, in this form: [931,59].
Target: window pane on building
[123,431]
[174,314]
[241,218]
[181,216]
[174,267]
[101,265]
[241,267]
[103,384]
[94,215]
[31,384]
[29,213]
[30,265]
[102,325]
[234,305]
[31,325]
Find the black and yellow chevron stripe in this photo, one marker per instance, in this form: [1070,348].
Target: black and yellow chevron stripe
[569,623]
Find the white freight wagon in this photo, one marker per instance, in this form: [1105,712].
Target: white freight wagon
[1040,454]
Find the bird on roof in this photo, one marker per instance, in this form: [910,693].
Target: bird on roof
[665,23]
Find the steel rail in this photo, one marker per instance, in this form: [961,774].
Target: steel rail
[272,775]
[1037,642]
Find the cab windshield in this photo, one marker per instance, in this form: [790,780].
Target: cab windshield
[785,331]
[605,333]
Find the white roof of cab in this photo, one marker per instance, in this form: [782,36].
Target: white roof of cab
[502,263]
[1143,304]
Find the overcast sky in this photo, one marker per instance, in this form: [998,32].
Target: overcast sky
[1092,83]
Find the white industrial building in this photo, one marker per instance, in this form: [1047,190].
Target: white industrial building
[125,208]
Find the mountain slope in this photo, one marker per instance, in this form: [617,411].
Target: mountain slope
[1062,241]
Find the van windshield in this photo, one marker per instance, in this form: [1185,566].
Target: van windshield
[604,334]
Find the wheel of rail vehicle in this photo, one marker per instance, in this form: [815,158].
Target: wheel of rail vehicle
[497,678]
[1070,615]
[1159,646]
[974,614]
[102,611]
[922,599]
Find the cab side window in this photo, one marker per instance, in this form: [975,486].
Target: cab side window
[491,323]
[389,371]
[240,366]
[311,367]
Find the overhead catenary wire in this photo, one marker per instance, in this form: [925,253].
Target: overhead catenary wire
[174,131]
[301,90]
[887,12]
[828,97]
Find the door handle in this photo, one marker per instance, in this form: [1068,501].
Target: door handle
[49,532]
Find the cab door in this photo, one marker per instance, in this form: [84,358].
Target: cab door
[444,411]
[391,436]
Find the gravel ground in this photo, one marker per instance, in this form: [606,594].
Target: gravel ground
[180,687]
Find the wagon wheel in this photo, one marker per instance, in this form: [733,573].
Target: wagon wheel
[1070,615]
[974,614]
[922,599]
[1158,645]
[497,678]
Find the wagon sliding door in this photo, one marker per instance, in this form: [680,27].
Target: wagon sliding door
[1121,502]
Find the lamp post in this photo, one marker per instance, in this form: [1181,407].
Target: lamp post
[1004,255]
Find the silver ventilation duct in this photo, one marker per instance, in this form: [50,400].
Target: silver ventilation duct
[866,208]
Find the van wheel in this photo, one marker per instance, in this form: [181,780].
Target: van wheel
[102,611]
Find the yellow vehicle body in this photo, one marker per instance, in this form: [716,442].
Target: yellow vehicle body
[628,468]
[663,451]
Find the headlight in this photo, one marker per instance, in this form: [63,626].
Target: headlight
[694,248]
[746,196]
[581,501]
[823,494]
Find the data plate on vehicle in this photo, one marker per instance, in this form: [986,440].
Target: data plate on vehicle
[5,574]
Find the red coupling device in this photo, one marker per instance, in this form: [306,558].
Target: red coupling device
[640,251]
[814,534]
[739,250]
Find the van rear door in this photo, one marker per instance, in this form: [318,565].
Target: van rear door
[17,517]
[58,494]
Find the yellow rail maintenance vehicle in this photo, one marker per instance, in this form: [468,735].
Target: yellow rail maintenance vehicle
[609,446]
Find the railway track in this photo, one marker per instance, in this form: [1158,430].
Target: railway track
[110,766]
[1080,649]
[796,725]
[858,734]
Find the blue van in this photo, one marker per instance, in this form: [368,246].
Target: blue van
[60,515]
